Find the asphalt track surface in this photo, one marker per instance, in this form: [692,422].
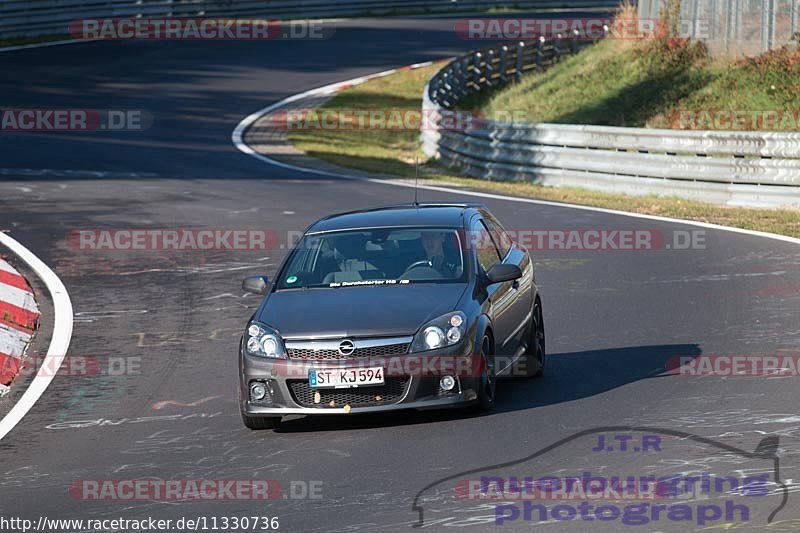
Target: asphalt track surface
[613,318]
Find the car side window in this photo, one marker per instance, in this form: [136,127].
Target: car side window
[485,247]
[501,238]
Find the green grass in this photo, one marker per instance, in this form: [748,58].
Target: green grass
[655,83]
[389,151]
[394,152]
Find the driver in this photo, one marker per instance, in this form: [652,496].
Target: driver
[433,243]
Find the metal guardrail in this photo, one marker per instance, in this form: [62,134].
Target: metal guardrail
[726,167]
[43,17]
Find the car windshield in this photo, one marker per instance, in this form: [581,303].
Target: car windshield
[382,256]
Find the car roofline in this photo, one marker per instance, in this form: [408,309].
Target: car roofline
[389,226]
[462,205]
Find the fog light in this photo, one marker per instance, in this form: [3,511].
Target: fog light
[447,383]
[258,391]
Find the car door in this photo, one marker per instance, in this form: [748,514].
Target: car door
[522,289]
[500,295]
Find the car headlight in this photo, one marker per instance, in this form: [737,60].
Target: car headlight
[441,332]
[262,341]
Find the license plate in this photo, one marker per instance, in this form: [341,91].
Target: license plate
[345,378]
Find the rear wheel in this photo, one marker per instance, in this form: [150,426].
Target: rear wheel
[487,384]
[536,354]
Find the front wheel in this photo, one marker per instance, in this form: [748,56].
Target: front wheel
[536,355]
[487,384]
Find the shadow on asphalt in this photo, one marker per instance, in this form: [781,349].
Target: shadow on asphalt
[568,377]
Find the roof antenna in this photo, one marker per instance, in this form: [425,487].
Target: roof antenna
[416,179]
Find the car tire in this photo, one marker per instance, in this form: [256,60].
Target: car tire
[536,355]
[487,386]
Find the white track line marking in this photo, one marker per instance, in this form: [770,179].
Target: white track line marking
[238,134]
[707,225]
[59,343]
[238,140]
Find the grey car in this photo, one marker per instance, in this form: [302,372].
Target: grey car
[417,306]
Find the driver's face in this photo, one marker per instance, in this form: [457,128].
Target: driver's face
[432,242]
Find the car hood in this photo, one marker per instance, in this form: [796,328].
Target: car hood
[358,311]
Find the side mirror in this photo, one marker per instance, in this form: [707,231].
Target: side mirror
[256,284]
[500,272]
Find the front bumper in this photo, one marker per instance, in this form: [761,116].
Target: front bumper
[411,382]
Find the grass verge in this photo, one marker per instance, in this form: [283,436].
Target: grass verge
[393,151]
[658,83]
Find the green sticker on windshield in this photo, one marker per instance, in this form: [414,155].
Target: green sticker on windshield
[291,279]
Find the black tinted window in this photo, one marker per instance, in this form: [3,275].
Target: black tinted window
[501,238]
[485,247]
[375,256]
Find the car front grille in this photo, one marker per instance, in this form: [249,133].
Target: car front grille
[326,354]
[390,392]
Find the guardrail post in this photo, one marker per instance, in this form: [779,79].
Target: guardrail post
[519,67]
[445,93]
[557,49]
[503,64]
[540,53]
[463,76]
[433,90]
[489,67]
[574,42]
[454,80]
[476,71]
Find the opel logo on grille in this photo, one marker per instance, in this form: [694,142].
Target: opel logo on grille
[347,347]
